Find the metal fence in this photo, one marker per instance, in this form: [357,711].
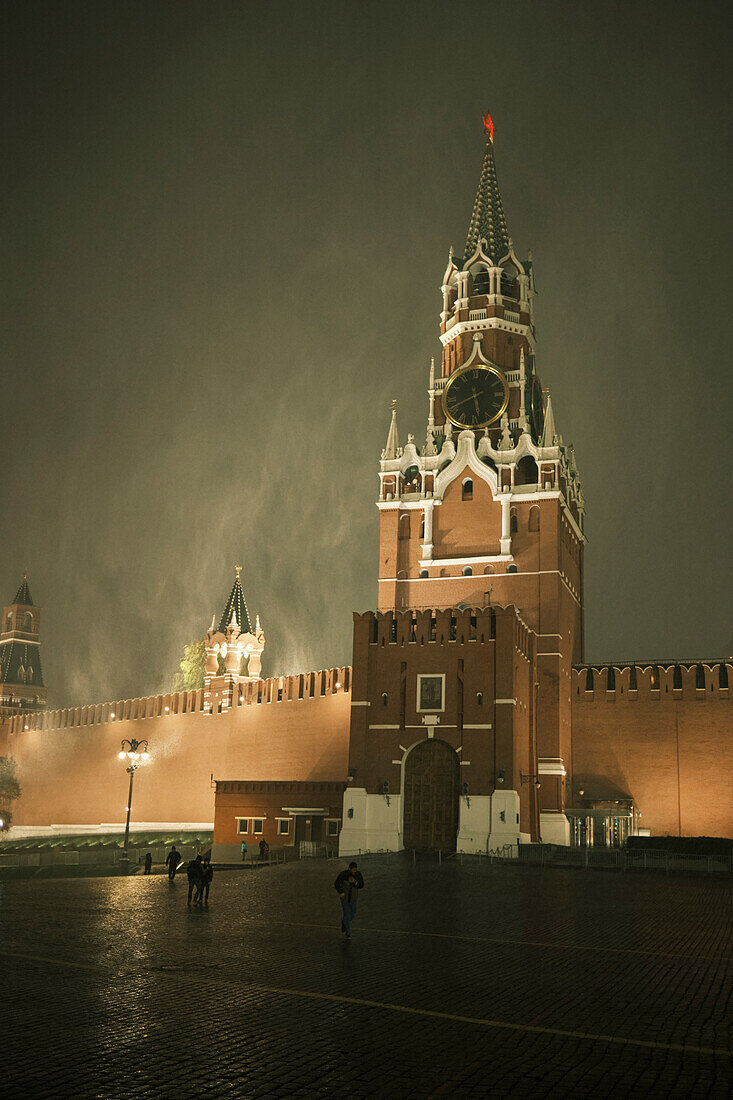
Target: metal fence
[620,859]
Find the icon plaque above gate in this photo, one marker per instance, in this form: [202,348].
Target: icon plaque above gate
[430,692]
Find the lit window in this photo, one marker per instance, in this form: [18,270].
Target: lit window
[257,825]
[242,825]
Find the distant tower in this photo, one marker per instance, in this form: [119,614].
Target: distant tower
[21,678]
[233,649]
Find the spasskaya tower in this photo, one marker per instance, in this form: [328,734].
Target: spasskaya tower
[483,510]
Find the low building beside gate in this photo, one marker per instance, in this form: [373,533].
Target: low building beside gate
[286,814]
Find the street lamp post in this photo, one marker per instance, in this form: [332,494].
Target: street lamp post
[136,752]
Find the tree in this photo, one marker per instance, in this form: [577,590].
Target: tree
[190,675]
[9,789]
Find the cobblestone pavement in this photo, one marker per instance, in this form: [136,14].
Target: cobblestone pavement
[468,981]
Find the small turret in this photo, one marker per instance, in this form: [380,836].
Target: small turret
[233,649]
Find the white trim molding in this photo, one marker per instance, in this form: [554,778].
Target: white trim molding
[551,765]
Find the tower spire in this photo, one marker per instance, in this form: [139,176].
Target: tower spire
[487,220]
[393,443]
[549,435]
[236,608]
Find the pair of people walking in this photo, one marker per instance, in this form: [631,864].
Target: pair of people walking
[347,884]
[200,874]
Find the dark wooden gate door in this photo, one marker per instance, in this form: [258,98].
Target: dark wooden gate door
[431,797]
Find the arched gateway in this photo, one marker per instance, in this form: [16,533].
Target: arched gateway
[431,791]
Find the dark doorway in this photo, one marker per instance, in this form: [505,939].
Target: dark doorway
[431,792]
[300,828]
[317,829]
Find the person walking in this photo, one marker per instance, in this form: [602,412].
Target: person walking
[207,874]
[348,883]
[195,874]
[264,848]
[173,859]
[148,863]
[244,851]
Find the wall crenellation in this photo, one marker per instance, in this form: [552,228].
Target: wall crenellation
[653,680]
[274,689]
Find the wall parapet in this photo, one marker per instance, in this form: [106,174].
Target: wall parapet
[637,679]
[274,689]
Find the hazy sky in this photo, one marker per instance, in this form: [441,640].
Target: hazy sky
[223,230]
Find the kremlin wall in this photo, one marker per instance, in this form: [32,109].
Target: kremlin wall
[469,719]
[277,728]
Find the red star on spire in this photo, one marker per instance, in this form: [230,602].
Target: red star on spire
[488,125]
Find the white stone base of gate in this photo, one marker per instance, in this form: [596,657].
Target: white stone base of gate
[554,828]
[488,822]
[375,825]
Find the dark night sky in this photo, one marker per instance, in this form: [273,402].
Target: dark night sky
[223,230]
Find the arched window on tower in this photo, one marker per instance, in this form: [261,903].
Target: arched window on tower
[509,281]
[467,571]
[29,674]
[467,490]
[589,679]
[513,523]
[403,530]
[700,676]
[526,472]
[27,625]
[481,281]
[411,479]
[534,518]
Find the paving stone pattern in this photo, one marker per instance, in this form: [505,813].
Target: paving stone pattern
[458,981]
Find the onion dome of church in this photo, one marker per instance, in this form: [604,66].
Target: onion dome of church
[487,220]
[23,595]
[236,608]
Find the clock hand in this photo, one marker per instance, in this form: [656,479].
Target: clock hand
[465,400]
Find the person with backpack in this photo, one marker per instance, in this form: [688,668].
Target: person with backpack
[348,883]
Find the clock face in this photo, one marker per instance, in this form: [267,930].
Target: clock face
[475,397]
[536,408]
